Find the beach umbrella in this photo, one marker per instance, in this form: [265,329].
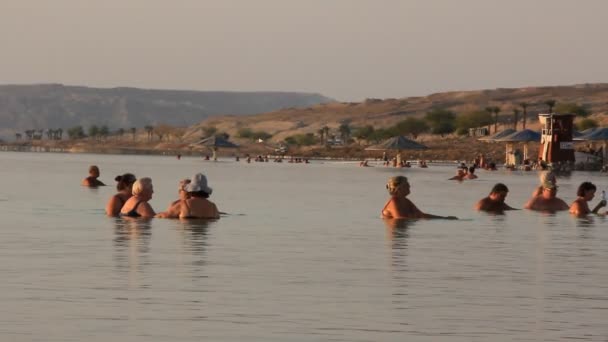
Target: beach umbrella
[501,134]
[524,136]
[397,143]
[597,134]
[214,143]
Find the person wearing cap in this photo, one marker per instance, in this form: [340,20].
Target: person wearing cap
[399,206]
[137,205]
[495,202]
[198,205]
[175,206]
[92,181]
[545,176]
[124,185]
[547,200]
[585,193]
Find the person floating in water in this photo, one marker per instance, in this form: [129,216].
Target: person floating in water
[399,206]
[547,201]
[124,186]
[585,193]
[91,180]
[137,205]
[495,202]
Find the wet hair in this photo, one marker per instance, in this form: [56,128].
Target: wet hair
[93,168]
[472,169]
[124,181]
[141,185]
[394,183]
[199,194]
[499,187]
[584,187]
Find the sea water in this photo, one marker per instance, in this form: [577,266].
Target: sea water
[302,255]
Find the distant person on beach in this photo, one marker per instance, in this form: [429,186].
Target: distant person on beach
[175,206]
[91,180]
[547,201]
[471,174]
[585,193]
[544,177]
[495,202]
[124,185]
[459,175]
[197,204]
[137,205]
[399,206]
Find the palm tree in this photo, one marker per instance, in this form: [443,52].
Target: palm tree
[550,104]
[326,132]
[149,130]
[322,135]
[496,110]
[133,130]
[524,107]
[344,132]
[120,132]
[515,118]
[490,110]
[17,136]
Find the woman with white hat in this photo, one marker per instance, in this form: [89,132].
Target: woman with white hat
[198,205]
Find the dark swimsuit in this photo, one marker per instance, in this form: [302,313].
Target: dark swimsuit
[133,212]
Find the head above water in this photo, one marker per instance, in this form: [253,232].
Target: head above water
[584,188]
[125,181]
[142,185]
[94,170]
[394,183]
[499,188]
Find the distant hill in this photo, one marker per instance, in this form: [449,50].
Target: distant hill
[386,112]
[55,106]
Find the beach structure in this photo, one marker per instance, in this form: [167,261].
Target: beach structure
[397,143]
[525,136]
[597,134]
[556,145]
[214,143]
[495,136]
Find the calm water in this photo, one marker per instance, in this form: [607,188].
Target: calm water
[302,256]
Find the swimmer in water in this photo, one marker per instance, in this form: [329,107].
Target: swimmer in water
[399,206]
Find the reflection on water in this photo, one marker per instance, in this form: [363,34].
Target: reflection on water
[132,238]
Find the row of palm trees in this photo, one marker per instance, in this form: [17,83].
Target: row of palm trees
[38,134]
[524,106]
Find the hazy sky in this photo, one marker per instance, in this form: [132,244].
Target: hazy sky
[346,49]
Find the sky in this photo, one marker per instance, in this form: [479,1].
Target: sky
[349,50]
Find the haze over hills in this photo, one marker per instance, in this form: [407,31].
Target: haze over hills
[53,106]
[382,113]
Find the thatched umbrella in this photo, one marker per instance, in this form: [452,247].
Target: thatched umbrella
[501,134]
[397,143]
[524,136]
[598,134]
[214,143]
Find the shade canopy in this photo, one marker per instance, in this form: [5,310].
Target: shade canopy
[215,141]
[498,135]
[595,134]
[521,136]
[397,143]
